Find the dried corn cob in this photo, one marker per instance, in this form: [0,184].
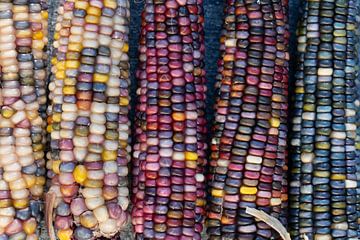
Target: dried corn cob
[88,119]
[248,160]
[169,153]
[357,103]
[23,39]
[323,186]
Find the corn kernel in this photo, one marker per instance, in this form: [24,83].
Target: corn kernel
[81,5]
[110,4]
[109,155]
[275,122]
[72,64]
[217,193]
[65,234]
[94,11]
[248,190]
[125,48]
[102,78]
[44,14]
[191,156]
[80,174]
[7,112]
[20,203]
[38,35]
[29,226]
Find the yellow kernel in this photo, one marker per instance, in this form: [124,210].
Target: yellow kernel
[94,11]
[76,47]
[277,98]
[299,90]
[200,202]
[275,122]
[81,5]
[125,48]
[248,190]
[60,66]
[102,78]
[123,144]
[20,203]
[70,81]
[7,113]
[30,226]
[44,14]
[56,36]
[40,180]
[191,156]
[38,35]
[357,145]
[92,19]
[56,117]
[56,166]
[217,193]
[337,177]
[65,234]
[60,74]
[110,4]
[309,107]
[109,155]
[49,128]
[124,101]
[37,147]
[30,180]
[54,61]
[69,90]
[4,203]
[80,174]
[72,64]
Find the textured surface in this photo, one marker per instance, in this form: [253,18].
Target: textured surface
[213,23]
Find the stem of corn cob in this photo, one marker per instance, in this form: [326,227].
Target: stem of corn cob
[23,39]
[88,119]
[323,205]
[249,144]
[169,154]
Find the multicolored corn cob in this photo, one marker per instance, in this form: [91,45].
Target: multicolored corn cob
[169,152]
[88,119]
[323,186]
[357,104]
[23,39]
[248,158]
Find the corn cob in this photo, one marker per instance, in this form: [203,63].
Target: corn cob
[169,152]
[323,186]
[357,103]
[249,143]
[23,39]
[88,119]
